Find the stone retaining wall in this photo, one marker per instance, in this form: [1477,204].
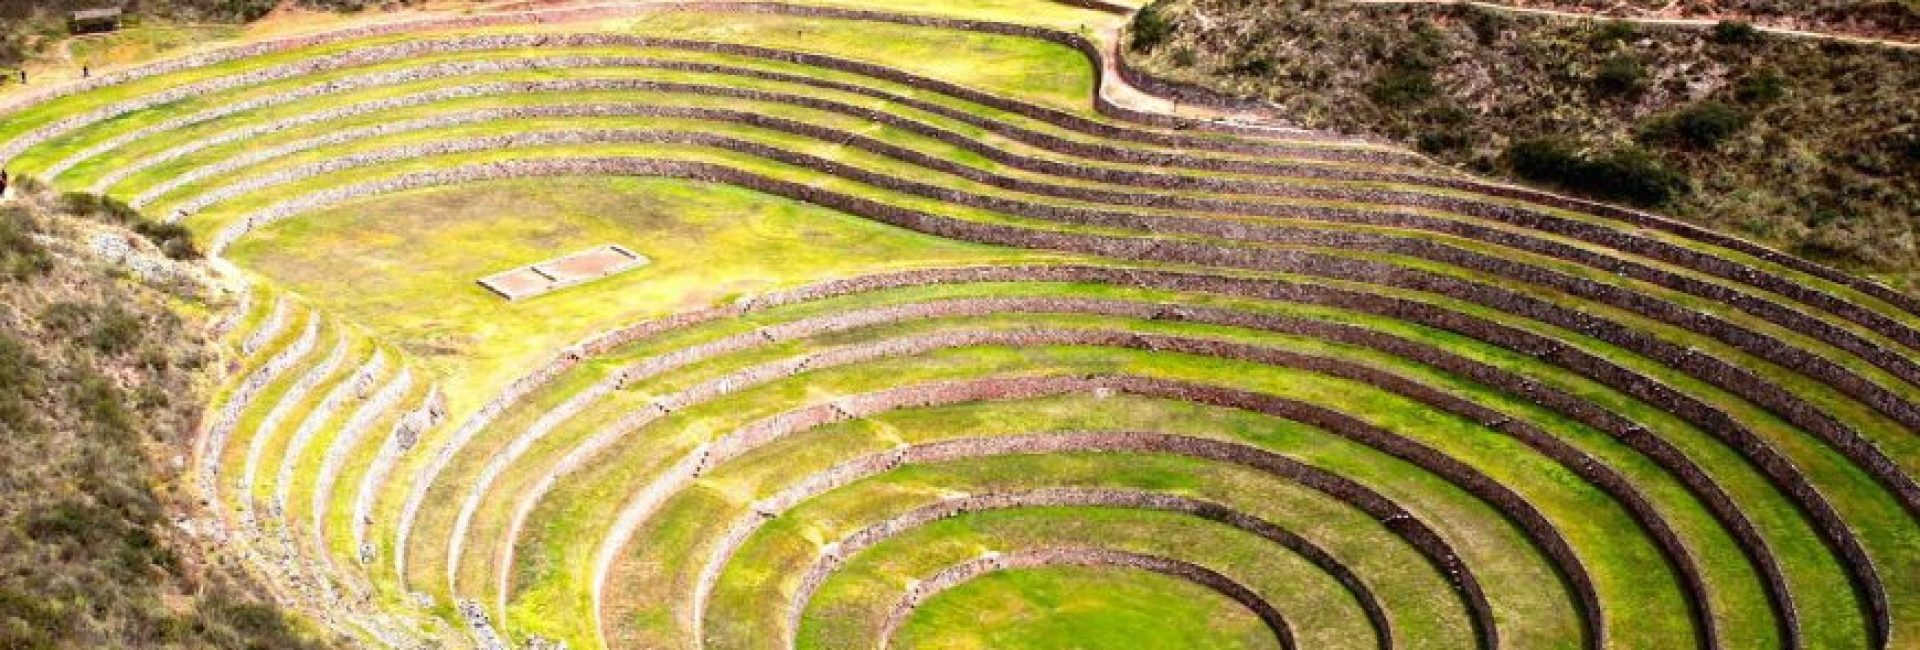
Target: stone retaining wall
[1720,373]
[1640,219]
[1753,342]
[1631,433]
[405,434]
[268,329]
[257,447]
[343,444]
[1526,218]
[214,441]
[837,553]
[230,319]
[746,438]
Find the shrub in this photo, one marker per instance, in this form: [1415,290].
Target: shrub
[173,239]
[1150,28]
[1701,125]
[1401,87]
[107,328]
[93,205]
[1612,32]
[20,256]
[19,381]
[1633,176]
[1252,67]
[1620,75]
[1185,57]
[1628,175]
[1735,32]
[1485,23]
[1544,159]
[1761,87]
[1444,140]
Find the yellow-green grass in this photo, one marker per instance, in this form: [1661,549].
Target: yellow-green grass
[899,169]
[1885,433]
[768,30]
[1738,592]
[387,263]
[1082,607]
[297,515]
[790,20]
[323,265]
[1759,500]
[143,42]
[259,499]
[649,599]
[1621,564]
[234,455]
[1039,70]
[359,459]
[333,152]
[1892,522]
[1886,531]
[1492,548]
[847,610]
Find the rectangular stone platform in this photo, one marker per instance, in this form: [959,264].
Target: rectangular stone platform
[562,272]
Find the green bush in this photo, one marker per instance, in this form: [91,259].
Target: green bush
[1185,57]
[1701,125]
[1622,74]
[1252,67]
[1544,159]
[1761,87]
[19,383]
[1400,87]
[1628,175]
[1734,32]
[1486,24]
[1612,32]
[107,328]
[173,239]
[20,256]
[1150,28]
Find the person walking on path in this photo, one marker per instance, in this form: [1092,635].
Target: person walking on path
[3,183]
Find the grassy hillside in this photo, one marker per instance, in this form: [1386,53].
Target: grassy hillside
[1808,145]
[101,377]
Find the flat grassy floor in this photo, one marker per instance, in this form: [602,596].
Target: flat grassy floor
[406,264]
[1083,608]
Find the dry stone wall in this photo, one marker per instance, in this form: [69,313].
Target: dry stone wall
[837,553]
[1719,372]
[214,440]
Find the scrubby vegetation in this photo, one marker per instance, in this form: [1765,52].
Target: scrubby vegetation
[1897,18]
[100,386]
[1802,143]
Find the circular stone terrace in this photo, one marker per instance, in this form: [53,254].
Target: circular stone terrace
[887,324]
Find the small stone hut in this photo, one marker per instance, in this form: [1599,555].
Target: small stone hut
[93,21]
